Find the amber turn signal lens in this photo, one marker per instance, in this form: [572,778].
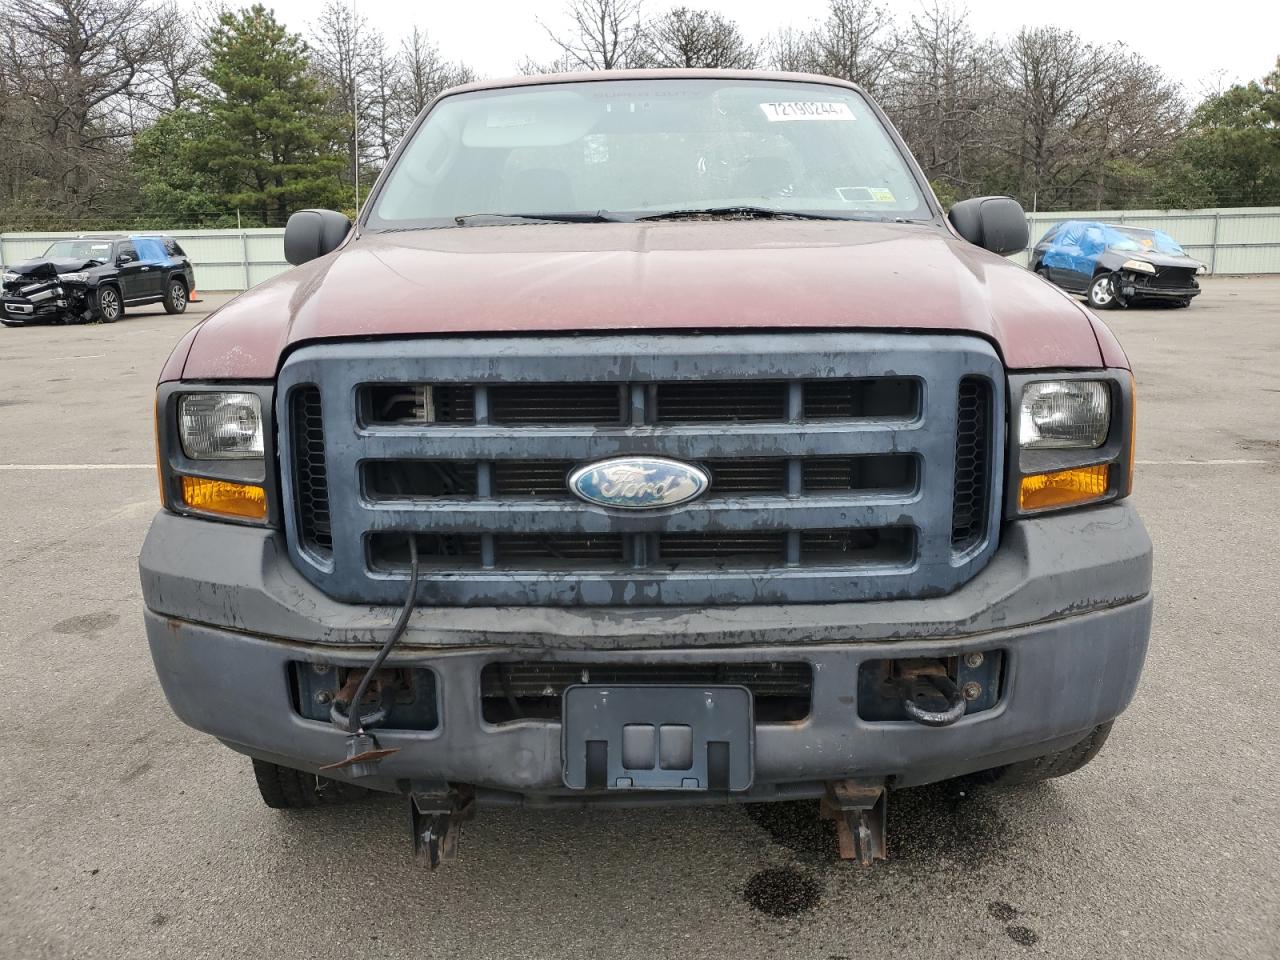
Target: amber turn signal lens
[225,498]
[1064,488]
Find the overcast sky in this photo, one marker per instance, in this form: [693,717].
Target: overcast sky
[1191,42]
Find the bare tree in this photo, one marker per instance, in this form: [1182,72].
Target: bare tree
[424,73]
[178,56]
[528,67]
[1141,114]
[1051,100]
[793,49]
[346,52]
[602,35]
[698,38]
[74,64]
[857,41]
[383,112]
[944,94]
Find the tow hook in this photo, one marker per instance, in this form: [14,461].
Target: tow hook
[858,808]
[436,815]
[924,685]
[340,710]
[363,754]
[363,750]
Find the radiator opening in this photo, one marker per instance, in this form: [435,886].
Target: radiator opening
[417,404]
[871,397]
[509,692]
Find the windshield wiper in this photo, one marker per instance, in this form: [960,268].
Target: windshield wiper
[763,213]
[598,216]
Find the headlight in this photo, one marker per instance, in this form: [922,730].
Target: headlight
[220,426]
[1138,266]
[1064,414]
[8,277]
[1071,440]
[77,277]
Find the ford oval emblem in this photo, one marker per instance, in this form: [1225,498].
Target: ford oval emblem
[638,483]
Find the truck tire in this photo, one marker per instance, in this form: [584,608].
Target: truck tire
[283,788]
[108,303]
[1053,764]
[175,296]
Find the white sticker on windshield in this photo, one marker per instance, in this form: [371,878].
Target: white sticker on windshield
[510,118]
[806,110]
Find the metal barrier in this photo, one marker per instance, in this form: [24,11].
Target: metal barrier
[224,259]
[1230,240]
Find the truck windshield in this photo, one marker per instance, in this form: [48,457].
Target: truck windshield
[638,147]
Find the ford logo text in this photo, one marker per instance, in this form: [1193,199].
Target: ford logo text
[638,483]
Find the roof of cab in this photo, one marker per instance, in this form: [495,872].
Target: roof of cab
[678,73]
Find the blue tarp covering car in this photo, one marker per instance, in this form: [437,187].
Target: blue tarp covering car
[1115,265]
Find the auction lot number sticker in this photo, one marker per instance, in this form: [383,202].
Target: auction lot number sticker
[806,110]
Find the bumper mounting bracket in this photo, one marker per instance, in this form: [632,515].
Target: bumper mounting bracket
[858,808]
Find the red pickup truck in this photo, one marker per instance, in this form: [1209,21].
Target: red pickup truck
[652,437]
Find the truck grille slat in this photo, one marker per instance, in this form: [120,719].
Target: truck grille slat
[973,432]
[311,471]
[834,474]
[896,397]
[696,401]
[556,403]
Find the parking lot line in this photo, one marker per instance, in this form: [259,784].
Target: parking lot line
[1198,462]
[77,466]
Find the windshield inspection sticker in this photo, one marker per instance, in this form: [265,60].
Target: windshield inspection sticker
[865,194]
[806,110]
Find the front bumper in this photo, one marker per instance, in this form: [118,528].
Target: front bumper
[49,304]
[1138,287]
[1067,598]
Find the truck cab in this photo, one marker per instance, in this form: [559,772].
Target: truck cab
[651,437]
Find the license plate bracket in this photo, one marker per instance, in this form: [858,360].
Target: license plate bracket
[645,737]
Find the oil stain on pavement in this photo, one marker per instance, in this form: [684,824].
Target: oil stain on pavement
[782,892]
[86,624]
[956,819]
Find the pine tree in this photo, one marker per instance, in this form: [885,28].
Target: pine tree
[271,144]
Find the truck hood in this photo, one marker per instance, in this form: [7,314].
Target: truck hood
[699,275]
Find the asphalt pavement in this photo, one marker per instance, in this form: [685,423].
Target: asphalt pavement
[125,834]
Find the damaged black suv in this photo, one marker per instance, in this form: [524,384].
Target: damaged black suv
[94,278]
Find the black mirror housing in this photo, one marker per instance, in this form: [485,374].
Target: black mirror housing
[313,233]
[998,224]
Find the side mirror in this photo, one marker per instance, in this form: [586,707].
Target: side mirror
[123,259]
[313,233]
[998,224]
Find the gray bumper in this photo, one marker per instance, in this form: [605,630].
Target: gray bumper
[1066,597]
